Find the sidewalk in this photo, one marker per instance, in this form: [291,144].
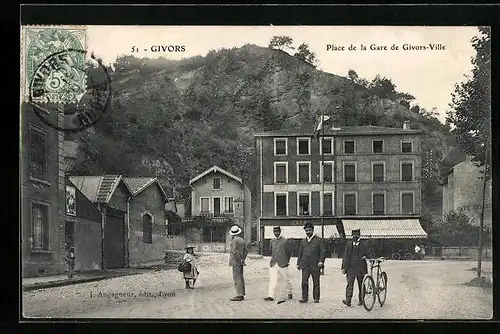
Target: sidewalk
[42,282]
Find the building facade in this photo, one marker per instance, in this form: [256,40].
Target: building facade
[371,181]
[463,192]
[133,217]
[42,179]
[219,199]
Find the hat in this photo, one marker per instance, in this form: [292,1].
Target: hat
[355,231]
[235,230]
[189,247]
[306,225]
[276,228]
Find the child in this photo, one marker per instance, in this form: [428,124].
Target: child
[70,260]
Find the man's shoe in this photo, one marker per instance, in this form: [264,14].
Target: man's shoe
[346,302]
[280,302]
[237,299]
[303,301]
[360,303]
[289,296]
[316,301]
[269,299]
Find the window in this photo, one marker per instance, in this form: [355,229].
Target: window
[217,206]
[40,223]
[303,146]
[378,146]
[328,204]
[281,172]
[327,173]
[406,146]
[303,172]
[69,234]
[378,204]
[228,205]
[216,183]
[406,171]
[326,146]
[407,203]
[350,204]
[147,229]
[38,154]
[280,146]
[281,204]
[204,205]
[378,172]
[304,207]
[214,234]
[349,146]
[349,172]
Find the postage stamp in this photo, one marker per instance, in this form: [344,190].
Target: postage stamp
[59,77]
[42,42]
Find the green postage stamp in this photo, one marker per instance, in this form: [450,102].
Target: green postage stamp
[53,63]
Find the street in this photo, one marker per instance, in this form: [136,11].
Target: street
[430,289]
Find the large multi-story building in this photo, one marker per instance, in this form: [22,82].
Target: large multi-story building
[371,181]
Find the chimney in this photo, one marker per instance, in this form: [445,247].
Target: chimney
[406,125]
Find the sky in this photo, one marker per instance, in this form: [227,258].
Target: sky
[428,75]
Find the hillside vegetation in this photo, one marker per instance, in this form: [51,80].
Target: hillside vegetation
[174,119]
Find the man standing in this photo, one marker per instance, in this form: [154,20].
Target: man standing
[310,259]
[237,259]
[354,265]
[278,267]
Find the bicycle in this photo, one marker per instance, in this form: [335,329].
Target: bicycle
[370,289]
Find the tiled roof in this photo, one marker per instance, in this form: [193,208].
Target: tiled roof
[344,130]
[385,228]
[138,184]
[98,189]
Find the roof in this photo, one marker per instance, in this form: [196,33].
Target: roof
[98,189]
[385,228]
[214,169]
[344,131]
[137,184]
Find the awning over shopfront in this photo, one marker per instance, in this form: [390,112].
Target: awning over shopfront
[297,232]
[385,229]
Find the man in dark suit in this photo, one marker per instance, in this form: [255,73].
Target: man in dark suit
[354,266]
[311,258]
[237,257]
[278,266]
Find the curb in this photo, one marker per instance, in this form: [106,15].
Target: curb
[53,284]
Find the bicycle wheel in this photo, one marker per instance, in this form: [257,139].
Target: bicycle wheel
[395,256]
[408,256]
[382,285]
[368,293]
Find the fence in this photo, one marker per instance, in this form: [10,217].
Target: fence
[460,252]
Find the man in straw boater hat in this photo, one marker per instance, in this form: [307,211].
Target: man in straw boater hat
[237,257]
[354,266]
[310,260]
[278,267]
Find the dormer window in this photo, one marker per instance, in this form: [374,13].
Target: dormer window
[216,183]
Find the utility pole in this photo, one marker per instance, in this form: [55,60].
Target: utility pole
[322,271]
[481,221]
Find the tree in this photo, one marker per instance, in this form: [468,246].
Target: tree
[471,102]
[281,42]
[305,54]
[353,75]
[383,87]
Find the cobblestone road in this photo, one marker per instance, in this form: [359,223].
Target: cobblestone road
[417,290]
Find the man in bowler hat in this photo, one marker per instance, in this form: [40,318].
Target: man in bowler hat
[354,266]
[310,260]
[237,259]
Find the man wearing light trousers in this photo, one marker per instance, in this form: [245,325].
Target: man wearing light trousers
[278,267]
[237,259]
